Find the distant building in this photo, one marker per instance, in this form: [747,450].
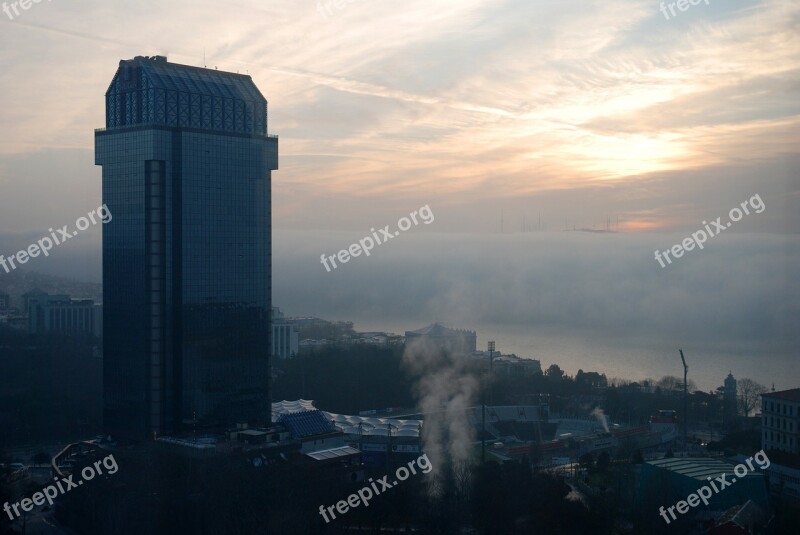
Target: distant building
[456,340]
[780,418]
[780,421]
[729,402]
[665,423]
[27,296]
[285,338]
[50,314]
[5,301]
[511,365]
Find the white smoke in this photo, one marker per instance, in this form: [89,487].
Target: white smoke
[575,495]
[445,390]
[601,416]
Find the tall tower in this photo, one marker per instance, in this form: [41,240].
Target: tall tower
[187,270]
[729,402]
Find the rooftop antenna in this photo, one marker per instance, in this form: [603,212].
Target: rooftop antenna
[204,58]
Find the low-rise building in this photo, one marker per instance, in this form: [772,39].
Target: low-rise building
[61,314]
[664,482]
[437,335]
[314,431]
[780,420]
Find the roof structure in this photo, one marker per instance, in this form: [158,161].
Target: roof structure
[333,453]
[700,468]
[436,330]
[280,408]
[744,516]
[784,395]
[152,91]
[351,424]
[307,423]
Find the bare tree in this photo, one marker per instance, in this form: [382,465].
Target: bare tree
[672,383]
[749,391]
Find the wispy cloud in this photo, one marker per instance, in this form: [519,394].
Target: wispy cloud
[463,99]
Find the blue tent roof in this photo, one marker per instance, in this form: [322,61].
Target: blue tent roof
[307,423]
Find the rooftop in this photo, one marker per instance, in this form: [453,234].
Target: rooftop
[437,329]
[154,92]
[699,468]
[784,395]
[333,453]
[307,423]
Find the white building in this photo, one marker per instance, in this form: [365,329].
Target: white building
[65,315]
[780,419]
[285,339]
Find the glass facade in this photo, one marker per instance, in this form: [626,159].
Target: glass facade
[187,259]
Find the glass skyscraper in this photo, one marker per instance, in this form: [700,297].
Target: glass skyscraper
[187,164]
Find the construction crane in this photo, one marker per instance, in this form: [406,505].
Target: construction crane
[685,398]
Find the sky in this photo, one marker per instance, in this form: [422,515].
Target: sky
[499,115]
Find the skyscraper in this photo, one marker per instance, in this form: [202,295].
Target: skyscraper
[187,164]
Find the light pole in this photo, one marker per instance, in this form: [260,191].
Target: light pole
[685,399]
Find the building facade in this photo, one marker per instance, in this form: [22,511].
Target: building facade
[187,164]
[285,338]
[49,314]
[780,418]
[460,341]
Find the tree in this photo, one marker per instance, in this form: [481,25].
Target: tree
[603,462]
[749,392]
[670,383]
[586,461]
[554,372]
[591,379]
